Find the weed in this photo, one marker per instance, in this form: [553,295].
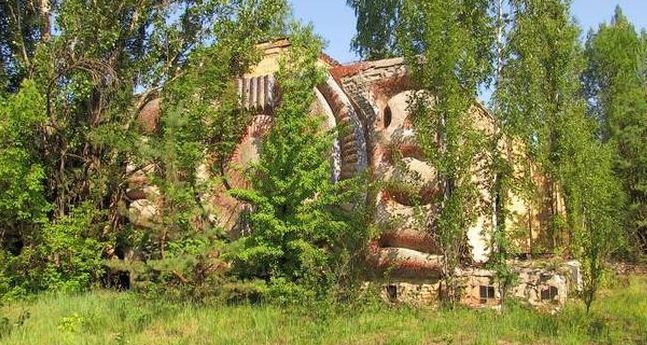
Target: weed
[102,317]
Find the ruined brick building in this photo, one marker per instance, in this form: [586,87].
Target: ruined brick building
[370,98]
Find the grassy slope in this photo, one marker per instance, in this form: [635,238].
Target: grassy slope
[111,318]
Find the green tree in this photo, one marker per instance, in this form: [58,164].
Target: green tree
[539,88]
[301,235]
[23,24]
[23,206]
[540,97]
[91,68]
[615,81]
[377,23]
[445,128]
[595,201]
[21,174]
[451,76]
[196,130]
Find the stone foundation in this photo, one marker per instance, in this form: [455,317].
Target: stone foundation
[542,285]
[411,293]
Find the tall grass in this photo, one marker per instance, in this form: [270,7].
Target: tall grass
[103,317]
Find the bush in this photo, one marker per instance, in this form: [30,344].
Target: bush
[64,256]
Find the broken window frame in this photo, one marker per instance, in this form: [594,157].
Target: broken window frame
[487,293]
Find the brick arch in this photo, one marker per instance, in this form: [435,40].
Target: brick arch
[247,150]
[387,88]
[349,154]
[226,210]
[352,142]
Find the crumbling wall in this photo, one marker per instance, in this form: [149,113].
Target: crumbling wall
[542,285]
[405,212]
[368,103]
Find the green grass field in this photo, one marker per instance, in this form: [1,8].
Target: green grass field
[104,317]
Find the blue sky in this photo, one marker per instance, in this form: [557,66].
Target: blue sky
[335,21]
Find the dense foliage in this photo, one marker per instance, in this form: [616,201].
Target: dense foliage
[529,51]
[74,78]
[75,75]
[615,84]
[377,24]
[540,97]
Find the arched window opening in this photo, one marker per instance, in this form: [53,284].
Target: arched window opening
[387,117]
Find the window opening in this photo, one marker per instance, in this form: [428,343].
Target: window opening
[392,292]
[486,293]
[549,293]
[388,116]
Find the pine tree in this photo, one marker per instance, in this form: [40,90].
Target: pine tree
[301,234]
[616,80]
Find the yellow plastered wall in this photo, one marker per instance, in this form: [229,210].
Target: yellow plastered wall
[272,52]
[529,221]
